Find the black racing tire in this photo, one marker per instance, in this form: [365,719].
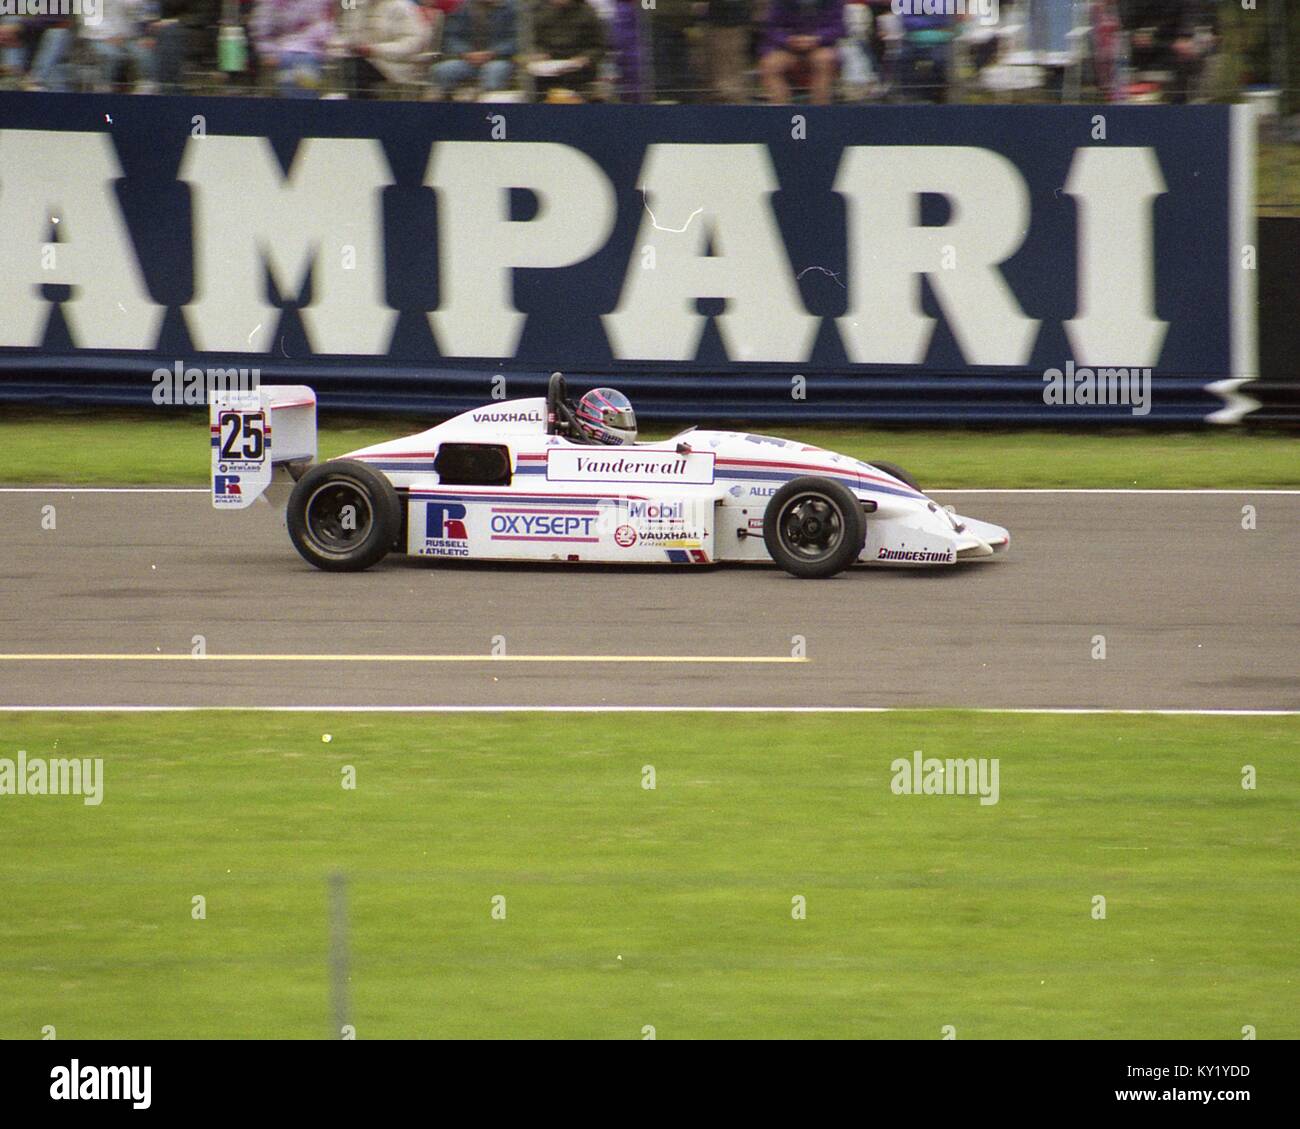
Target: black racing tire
[814,527]
[898,472]
[319,527]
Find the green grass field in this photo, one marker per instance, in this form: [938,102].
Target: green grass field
[627,907]
[81,448]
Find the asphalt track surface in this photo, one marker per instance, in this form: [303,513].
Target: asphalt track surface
[1197,613]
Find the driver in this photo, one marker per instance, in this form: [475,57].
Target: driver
[606,416]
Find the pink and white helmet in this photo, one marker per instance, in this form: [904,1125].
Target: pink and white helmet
[607,417]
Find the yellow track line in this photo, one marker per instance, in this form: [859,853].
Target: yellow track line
[403,658]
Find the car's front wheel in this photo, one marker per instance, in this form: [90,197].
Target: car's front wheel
[814,527]
[344,516]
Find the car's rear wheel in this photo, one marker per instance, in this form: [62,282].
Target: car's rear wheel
[897,472]
[814,527]
[344,516]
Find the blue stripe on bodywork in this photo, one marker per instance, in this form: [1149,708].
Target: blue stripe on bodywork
[428,465]
[512,499]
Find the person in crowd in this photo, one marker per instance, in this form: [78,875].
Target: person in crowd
[185,37]
[1172,36]
[1106,48]
[669,23]
[118,38]
[726,48]
[858,76]
[877,47]
[570,40]
[628,44]
[800,46]
[925,55]
[34,50]
[479,42]
[291,38]
[383,40]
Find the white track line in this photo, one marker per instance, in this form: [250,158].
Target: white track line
[38,657]
[1098,490]
[929,489]
[102,490]
[656,709]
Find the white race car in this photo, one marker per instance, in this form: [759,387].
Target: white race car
[522,480]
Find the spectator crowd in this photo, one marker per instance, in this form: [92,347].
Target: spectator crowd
[640,51]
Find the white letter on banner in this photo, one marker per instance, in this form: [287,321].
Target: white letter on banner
[701,198]
[1116,305]
[479,246]
[248,218]
[889,252]
[63,182]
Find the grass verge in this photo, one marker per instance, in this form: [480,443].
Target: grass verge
[671,907]
[76,448]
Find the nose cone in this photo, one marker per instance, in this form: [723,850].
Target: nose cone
[981,539]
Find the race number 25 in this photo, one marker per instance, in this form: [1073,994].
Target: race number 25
[243,436]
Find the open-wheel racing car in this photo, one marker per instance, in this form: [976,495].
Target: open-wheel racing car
[545,479]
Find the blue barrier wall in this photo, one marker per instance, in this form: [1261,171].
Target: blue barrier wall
[903,263]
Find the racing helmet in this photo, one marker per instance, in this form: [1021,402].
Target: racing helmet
[606,416]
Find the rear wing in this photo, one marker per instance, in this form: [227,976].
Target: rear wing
[252,433]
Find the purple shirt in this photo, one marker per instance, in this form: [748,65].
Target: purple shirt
[629,50]
[282,26]
[822,18]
